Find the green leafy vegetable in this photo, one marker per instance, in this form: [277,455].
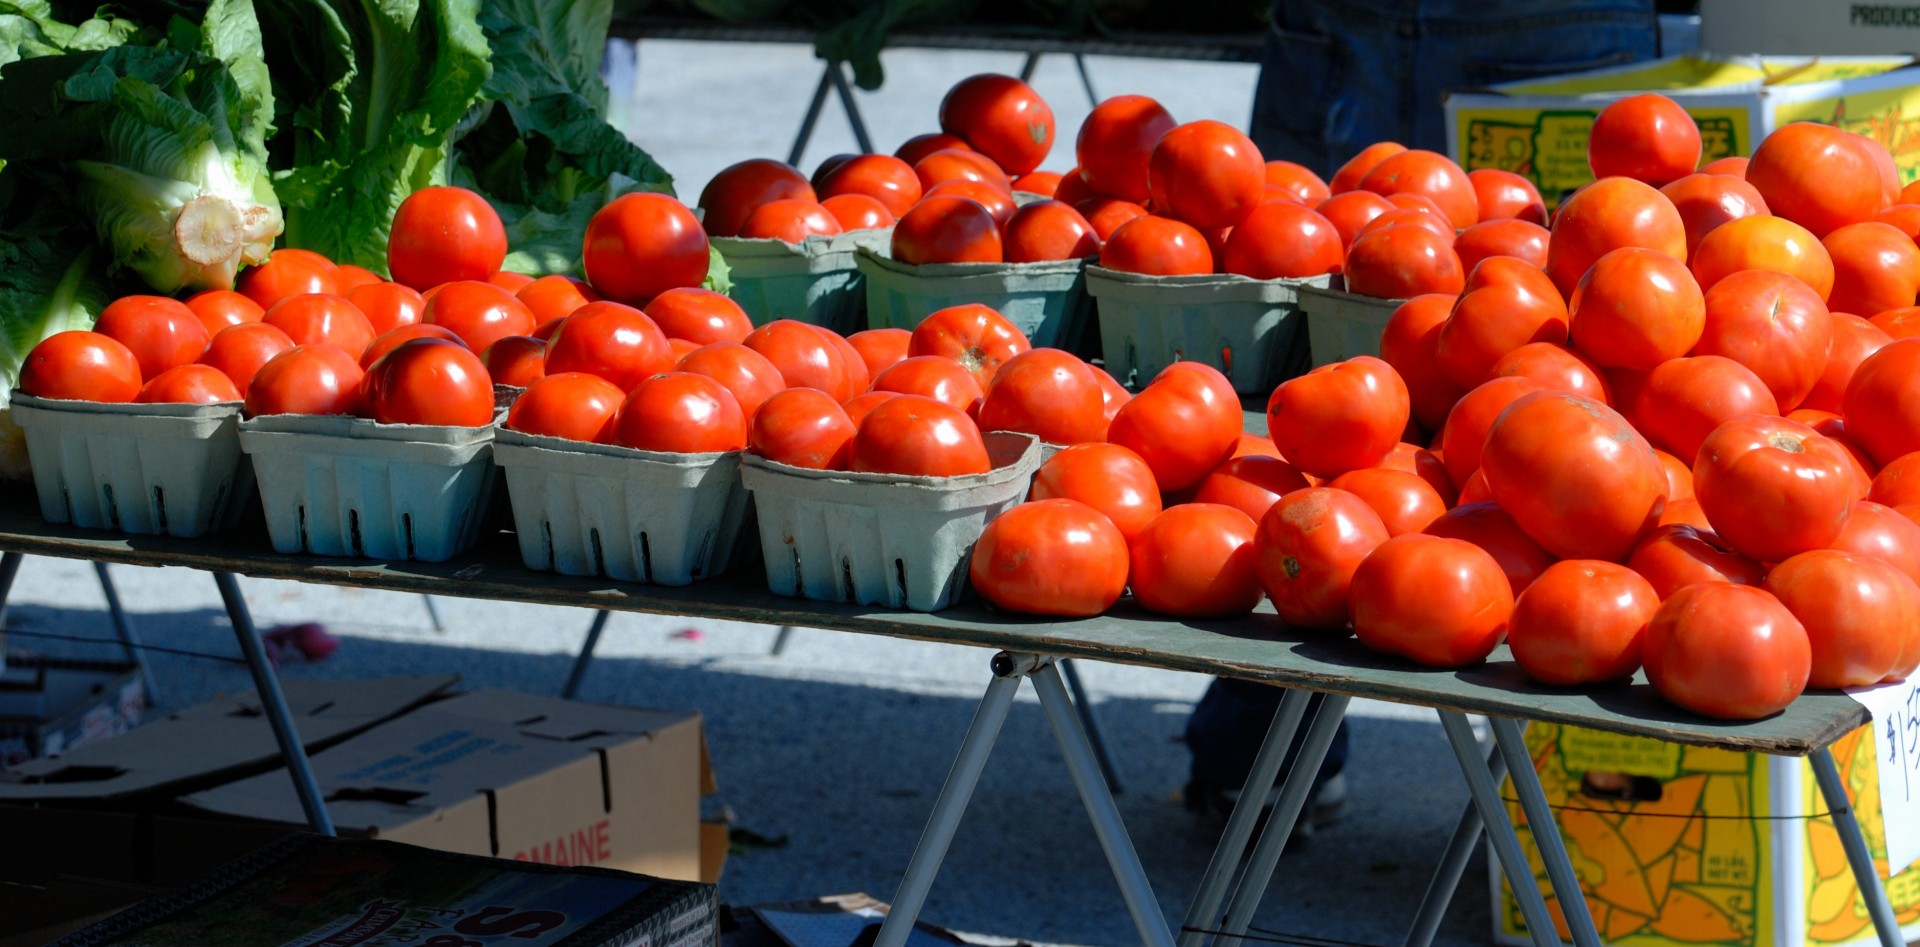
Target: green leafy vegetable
[28,29]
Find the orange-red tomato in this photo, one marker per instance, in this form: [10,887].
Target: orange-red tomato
[1834,427]
[700,316]
[391,339]
[1002,117]
[1898,483]
[1251,484]
[1581,622]
[1112,394]
[1901,323]
[1504,195]
[919,437]
[1684,400]
[805,356]
[680,413]
[1679,476]
[932,376]
[1677,555]
[1514,238]
[1306,551]
[1484,524]
[220,308]
[1402,262]
[288,272]
[1108,477]
[443,235]
[389,306]
[1195,560]
[858,212]
[1705,201]
[479,313]
[1636,308]
[1820,177]
[1647,137]
[1298,181]
[1556,368]
[1860,614]
[1549,450]
[1734,165]
[614,341]
[880,348]
[1043,183]
[1727,651]
[1406,503]
[791,220]
[1464,435]
[1422,463]
[999,203]
[307,379]
[1206,173]
[239,351]
[976,336]
[330,320]
[861,405]
[1281,240]
[947,229]
[1875,268]
[1435,601]
[1048,393]
[1349,175]
[744,372]
[1157,246]
[573,405]
[196,384]
[1410,217]
[885,178]
[733,194]
[1902,217]
[429,381]
[1882,401]
[350,277]
[517,360]
[1763,243]
[642,245]
[160,332]
[802,427]
[1431,175]
[1348,211]
[1339,417]
[1604,216]
[958,164]
[1773,488]
[1073,189]
[1115,143]
[1255,445]
[1050,557]
[511,282]
[1773,324]
[1506,304]
[920,146]
[1048,230]
[1882,532]
[1107,214]
[1183,424]
[1408,343]
[1854,339]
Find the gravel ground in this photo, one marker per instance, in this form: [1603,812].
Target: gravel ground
[839,746]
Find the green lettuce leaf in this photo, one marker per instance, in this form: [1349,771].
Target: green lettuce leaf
[29,28]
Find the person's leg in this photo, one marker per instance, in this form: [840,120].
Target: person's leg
[1223,735]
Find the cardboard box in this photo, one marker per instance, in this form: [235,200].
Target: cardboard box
[48,705]
[1684,845]
[33,915]
[314,890]
[1809,27]
[1539,128]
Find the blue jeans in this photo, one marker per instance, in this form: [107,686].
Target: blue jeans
[1339,76]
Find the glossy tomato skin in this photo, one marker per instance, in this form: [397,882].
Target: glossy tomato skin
[1557,368]
[479,313]
[1348,176]
[1206,173]
[700,316]
[1408,344]
[1705,201]
[1184,424]
[1048,230]
[884,178]
[1883,533]
[1157,246]
[509,281]
[750,377]
[516,361]
[1775,325]
[1116,141]
[1282,240]
[976,336]
[572,405]
[1108,477]
[961,164]
[880,348]
[1349,211]
[220,308]
[555,297]
[1854,339]
[614,341]
[1405,502]
[947,229]
[920,146]
[1437,602]
[1636,308]
[1606,215]
[1484,524]
[1425,464]
[1048,393]
[1431,175]
[1727,651]
[1339,417]
[393,338]
[802,427]
[1464,435]
[1514,238]
[1506,303]
[1819,177]
[1195,560]
[1298,181]
[189,384]
[1050,557]
[1402,262]
[1897,483]
[1581,622]
[1251,484]
[641,245]
[1504,195]
[322,320]
[680,413]
[1550,453]
[239,351]
[858,212]
[1677,555]
[445,234]
[1002,117]
[792,220]
[429,381]
[998,203]
[307,379]
[389,306]
[159,331]
[805,357]
[288,272]
[1424,218]
[1306,550]
[1773,488]
[733,194]
[1882,401]
[1647,137]
[932,376]
[919,437]
[1685,399]
[1763,243]
[1859,612]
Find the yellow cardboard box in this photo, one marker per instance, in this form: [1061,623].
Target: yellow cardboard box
[1682,845]
[1539,128]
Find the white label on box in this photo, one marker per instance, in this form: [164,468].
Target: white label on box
[1896,736]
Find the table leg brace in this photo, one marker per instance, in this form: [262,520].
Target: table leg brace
[1453,864]
[584,659]
[274,702]
[1546,832]
[1864,874]
[123,626]
[1499,827]
[1083,705]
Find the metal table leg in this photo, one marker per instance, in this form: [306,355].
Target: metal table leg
[1239,830]
[813,116]
[1546,832]
[842,86]
[1028,68]
[1834,790]
[1499,827]
[585,657]
[780,641]
[9,568]
[1084,707]
[1086,79]
[122,626]
[274,702]
[1453,864]
[433,612]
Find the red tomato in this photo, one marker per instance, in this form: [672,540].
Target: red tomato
[1405,502]
[997,202]
[197,384]
[1206,173]
[680,413]
[880,348]
[444,235]
[1407,344]
[1184,424]
[1157,246]
[1733,165]
[1116,142]
[1882,402]
[1073,189]
[1106,214]
[1550,453]
[429,381]
[1108,477]
[1195,560]
[1306,550]
[1050,557]
[862,405]
[1647,137]
[1402,262]
[1860,614]
[932,376]
[389,306]
[239,351]
[700,316]
[511,282]
[1506,304]
[1773,324]
[289,272]
[1636,308]
[220,308]
[1514,238]
[1349,211]
[1422,463]
[750,377]
[1043,183]
[1898,483]
[1048,393]
[555,297]
[1281,240]
[802,427]
[1854,339]
[1487,526]
[1606,215]
[1049,230]
[858,212]
[1834,427]
[791,220]
[1727,651]
[1883,533]
[961,164]
[516,361]
[1677,555]
[1679,476]
[1410,217]
[573,405]
[1876,267]
[1431,175]
[1504,195]
[920,146]
[393,338]
[1298,181]
[479,313]
[324,320]
[947,229]
[1464,436]
[1555,368]
[1820,177]
[1437,602]
[1685,399]
[976,336]
[1903,217]
[160,332]
[1763,243]
[733,194]
[642,245]
[1112,394]
[1251,484]
[1705,201]
[616,342]
[920,437]
[1773,488]
[1002,117]
[1339,417]
[805,356]
[884,178]
[1581,622]
[349,277]
[1349,176]
[307,379]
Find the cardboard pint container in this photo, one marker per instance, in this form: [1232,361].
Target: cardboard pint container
[1341,325]
[881,539]
[1249,329]
[153,469]
[1048,301]
[815,281]
[344,486]
[632,515]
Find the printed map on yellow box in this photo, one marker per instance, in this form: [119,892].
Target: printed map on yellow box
[1682,845]
[1539,128]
